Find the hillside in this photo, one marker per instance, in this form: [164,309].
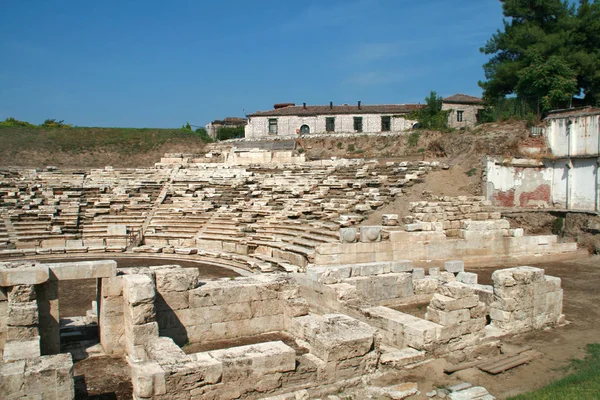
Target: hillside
[92,147]
[128,147]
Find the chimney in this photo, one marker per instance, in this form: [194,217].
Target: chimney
[304,106]
[331,105]
[359,104]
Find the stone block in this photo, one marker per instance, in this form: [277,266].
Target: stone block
[469,278]
[21,350]
[148,379]
[116,230]
[22,314]
[254,361]
[21,293]
[83,269]
[12,377]
[140,314]
[418,273]
[447,318]
[138,289]
[454,266]
[401,266]
[434,272]
[370,234]
[456,290]
[348,235]
[176,279]
[23,273]
[141,334]
[445,303]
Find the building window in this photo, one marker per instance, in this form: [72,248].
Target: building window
[386,124]
[305,129]
[273,126]
[459,116]
[358,124]
[330,124]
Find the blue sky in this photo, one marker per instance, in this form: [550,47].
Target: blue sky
[151,63]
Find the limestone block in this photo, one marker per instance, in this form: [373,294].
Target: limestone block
[418,273]
[21,293]
[421,334]
[112,286]
[116,230]
[445,303]
[22,314]
[171,301]
[331,275]
[140,314]
[434,272]
[401,266]
[148,379]
[428,285]
[84,269]
[447,318]
[141,334]
[348,235]
[138,289]
[390,219]
[341,337]
[456,290]
[11,378]
[446,277]
[51,376]
[296,307]
[240,363]
[21,350]
[22,273]
[370,234]
[370,269]
[454,266]
[176,279]
[469,278]
[22,333]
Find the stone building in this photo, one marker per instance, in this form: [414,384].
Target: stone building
[463,110]
[289,120]
[229,122]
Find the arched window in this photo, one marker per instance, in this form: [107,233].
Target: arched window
[304,129]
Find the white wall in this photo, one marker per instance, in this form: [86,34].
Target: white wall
[582,135]
[556,183]
[287,126]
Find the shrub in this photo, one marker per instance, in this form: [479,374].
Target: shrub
[558,226]
[204,135]
[413,138]
[351,147]
[340,145]
[226,133]
[471,172]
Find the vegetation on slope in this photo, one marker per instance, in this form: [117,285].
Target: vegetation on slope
[38,146]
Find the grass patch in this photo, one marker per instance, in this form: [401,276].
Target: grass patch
[583,383]
[74,140]
[471,172]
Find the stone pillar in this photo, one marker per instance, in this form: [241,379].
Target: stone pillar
[22,335]
[49,317]
[138,311]
[110,314]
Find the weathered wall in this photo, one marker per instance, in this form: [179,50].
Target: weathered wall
[556,183]
[469,117]
[572,136]
[287,126]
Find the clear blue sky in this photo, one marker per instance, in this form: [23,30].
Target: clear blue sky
[151,63]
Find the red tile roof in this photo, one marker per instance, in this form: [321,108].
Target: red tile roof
[463,98]
[573,112]
[339,109]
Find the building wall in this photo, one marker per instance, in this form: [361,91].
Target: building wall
[574,136]
[289,126]
[561,183]
[469,117]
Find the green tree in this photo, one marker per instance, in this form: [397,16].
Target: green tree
[431,116]
[187,127]
[564,38]
[52,123]
[204,135]
[226,132]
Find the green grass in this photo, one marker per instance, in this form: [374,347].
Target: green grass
[582,384]
[73,140]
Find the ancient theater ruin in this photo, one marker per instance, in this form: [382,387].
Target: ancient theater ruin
[318,304]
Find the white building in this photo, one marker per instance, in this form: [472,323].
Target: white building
[569,179]
[288,120]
